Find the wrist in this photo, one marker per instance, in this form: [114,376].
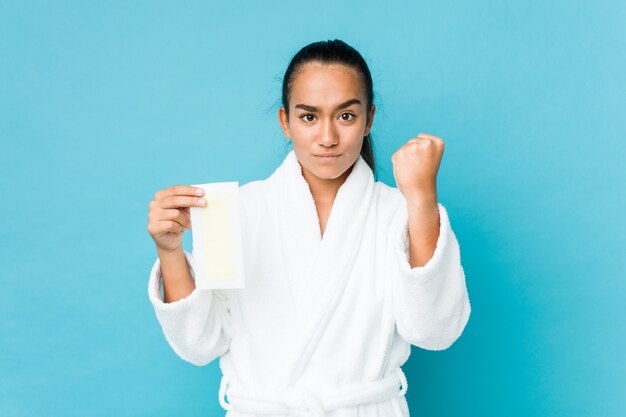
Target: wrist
[422,199]
[170,253]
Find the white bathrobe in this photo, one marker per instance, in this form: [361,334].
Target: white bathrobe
[324,323]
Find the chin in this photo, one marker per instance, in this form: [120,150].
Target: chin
[329,174]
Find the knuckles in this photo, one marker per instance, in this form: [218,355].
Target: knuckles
[417,145]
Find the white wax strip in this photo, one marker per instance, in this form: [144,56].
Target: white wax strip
[217,251]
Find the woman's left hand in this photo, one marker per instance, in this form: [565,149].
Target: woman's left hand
[415,166]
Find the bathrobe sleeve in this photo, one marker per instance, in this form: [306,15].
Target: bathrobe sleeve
[431,303]
[197,327]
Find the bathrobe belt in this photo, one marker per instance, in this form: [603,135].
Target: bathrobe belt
[290,399]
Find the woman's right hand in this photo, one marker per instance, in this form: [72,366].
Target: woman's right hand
[168,215]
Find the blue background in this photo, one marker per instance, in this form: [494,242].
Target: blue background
[101,105]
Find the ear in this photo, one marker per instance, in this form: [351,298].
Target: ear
[371,120]
[284,122]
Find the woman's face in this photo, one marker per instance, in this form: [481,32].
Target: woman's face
[327,115]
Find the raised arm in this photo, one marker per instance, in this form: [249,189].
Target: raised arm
[431,302]
[430,297]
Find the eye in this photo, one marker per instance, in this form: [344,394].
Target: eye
[307,115]
[347,114]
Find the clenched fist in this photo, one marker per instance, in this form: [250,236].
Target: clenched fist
[415,166]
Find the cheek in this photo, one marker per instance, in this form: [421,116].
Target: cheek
[300,133]
[354,133]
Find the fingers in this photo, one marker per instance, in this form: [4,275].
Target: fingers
[176,201]
[174,215]
[171,220]
[170,209]
[158,228]
[179,196]
[186,190]
[425,140]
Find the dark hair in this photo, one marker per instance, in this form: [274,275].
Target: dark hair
[334,52]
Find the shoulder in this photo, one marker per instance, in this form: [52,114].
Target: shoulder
[389,198]
[390,204]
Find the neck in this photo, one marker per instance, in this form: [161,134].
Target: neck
[323,190]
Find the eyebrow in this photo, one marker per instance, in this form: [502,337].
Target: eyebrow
[340,106]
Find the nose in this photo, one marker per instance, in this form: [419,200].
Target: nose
[328,135]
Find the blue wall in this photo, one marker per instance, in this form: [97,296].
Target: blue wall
[102,104]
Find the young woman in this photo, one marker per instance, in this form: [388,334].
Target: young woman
[344,273]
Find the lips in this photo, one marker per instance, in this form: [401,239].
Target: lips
[328,158]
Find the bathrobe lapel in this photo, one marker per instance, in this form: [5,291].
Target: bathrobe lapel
[317,268]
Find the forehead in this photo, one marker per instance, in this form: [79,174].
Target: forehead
[320,84]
